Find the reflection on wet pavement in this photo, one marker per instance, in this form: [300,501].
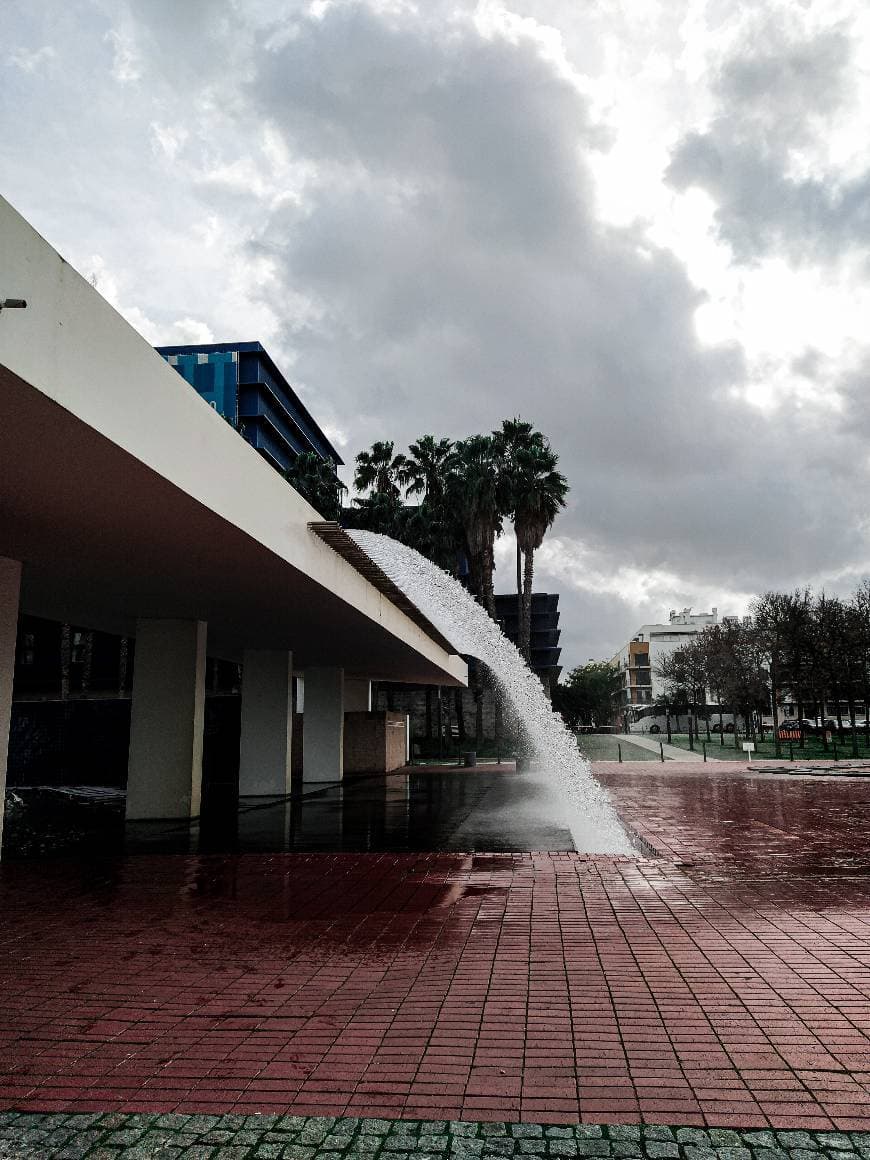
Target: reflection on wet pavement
[484,809]
[747,824]
[725,983]
[403,811]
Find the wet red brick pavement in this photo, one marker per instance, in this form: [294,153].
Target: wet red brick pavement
[725,982]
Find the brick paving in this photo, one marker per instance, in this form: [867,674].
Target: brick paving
[724,983]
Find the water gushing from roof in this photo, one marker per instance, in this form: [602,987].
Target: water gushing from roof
[584,804]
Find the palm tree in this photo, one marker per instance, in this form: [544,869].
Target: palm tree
[533,491]
[379,470]
[432,526]
[427,466]
[381,512]
[514,434]
[476,493]
[539,492]
[316,481]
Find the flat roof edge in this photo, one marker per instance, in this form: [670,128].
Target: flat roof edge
[337,538]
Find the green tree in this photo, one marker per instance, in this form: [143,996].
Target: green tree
[316,481]
[533,492]
[379,470]
[514,434]
[426,468]
[861,625]
[683,673]
[747,685]
[797,644]
[770,617]
[475,492]
[588,694]
[432,526]
[378,512]
[538,493]
[713,642]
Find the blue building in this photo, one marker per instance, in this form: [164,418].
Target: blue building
[240,380]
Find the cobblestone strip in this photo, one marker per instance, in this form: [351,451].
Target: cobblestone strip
[55,1136]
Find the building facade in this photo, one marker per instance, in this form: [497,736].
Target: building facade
[545,631]
[156,523]
[639,657]
[241,382]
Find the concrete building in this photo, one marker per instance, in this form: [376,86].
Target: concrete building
[545,631]
[130,506]
[241,382]
[638,658]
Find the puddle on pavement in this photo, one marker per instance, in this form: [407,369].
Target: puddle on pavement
[460,811]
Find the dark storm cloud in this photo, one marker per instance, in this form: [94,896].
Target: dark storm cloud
[433,254]
[462,277]
[777,94]
[454,247]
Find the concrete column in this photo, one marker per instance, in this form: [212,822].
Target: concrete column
[10,591]
[267,722]
[357,695]
[323,725]
[164,773]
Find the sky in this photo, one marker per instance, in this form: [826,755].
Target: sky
[641,225]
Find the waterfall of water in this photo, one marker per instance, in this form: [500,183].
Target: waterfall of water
[584,805]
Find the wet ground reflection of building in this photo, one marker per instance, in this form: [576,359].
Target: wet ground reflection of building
[428,809]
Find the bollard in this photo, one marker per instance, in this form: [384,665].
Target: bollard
[662,750]
[619,749]
[704,747]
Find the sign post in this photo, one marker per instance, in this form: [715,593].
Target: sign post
[749,746]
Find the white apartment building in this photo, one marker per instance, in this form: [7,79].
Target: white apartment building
[638,657]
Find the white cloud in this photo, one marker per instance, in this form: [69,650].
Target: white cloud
[168,139]
[642,225]
[30,61]
[126,64]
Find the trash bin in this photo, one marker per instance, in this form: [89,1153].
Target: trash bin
[469,758]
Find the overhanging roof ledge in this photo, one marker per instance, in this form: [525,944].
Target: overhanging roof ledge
[337,538]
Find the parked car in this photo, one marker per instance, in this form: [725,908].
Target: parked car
[804,724]
[829,724]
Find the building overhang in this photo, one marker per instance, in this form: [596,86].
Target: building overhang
[126,496]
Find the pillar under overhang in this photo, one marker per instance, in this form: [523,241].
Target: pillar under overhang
[267,722]
[323,725]
[10,592]
[164,772]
